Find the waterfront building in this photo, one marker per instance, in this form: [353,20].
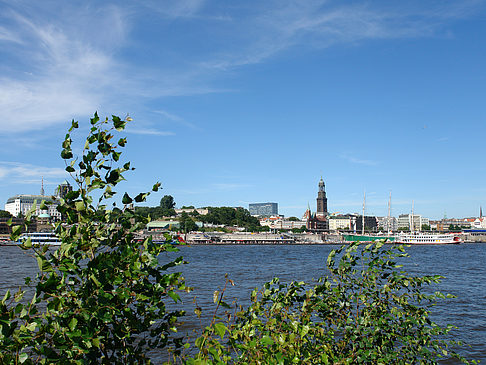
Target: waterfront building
[340,222]
[263,209]
[444,224]
[201,211]
[279,222]
[412,222]
[21,204]
[370,223]
[386,224]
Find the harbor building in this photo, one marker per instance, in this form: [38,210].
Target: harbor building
[370,223]
[263,209]
[341,222]
[412,222]
[278,222]
[387,224]
[20,205]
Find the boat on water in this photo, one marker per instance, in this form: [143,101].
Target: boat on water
[40,238]
[421,238]
[367,238]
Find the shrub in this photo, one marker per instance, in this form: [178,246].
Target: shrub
[367,310]
[100,297]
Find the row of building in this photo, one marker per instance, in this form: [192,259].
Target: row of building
[323,221]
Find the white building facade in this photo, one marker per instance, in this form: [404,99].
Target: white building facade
[339,222]
[412,222]
[22,204]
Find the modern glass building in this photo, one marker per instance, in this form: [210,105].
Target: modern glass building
[263,209]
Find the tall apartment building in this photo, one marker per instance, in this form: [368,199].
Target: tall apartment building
[263,209]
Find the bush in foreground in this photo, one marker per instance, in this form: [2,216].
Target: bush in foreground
[100,297]
[367,311]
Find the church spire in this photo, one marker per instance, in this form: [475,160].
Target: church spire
[42,186]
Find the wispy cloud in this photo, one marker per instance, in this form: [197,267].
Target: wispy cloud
[276,26]
[27,173]
[149,131]
[175,118]
[65,62]
[359,161]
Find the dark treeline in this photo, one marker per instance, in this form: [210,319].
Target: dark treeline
[227,216]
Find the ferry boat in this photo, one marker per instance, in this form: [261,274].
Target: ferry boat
[421,238]
[40,238]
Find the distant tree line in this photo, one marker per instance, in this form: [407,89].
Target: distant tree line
[164,209]
[226,216]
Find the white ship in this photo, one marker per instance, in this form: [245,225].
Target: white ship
[40,238]
[421,238]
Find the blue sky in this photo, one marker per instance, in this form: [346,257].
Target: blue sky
[236,102]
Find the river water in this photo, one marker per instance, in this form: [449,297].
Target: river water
[463,267]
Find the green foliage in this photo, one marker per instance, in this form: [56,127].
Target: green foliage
[100,297]
[366,311]
[231,217]
[167,202]
[5,214]
[155,212]
[186,223]
[425,227]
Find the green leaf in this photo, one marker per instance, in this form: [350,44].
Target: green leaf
[27,243]
[43,264]
[95,119]
[216,296]
[23,357]
[80,207]
[266,341]
[66,154]
[126,199]
[220,329]
[73,323]
[118,123]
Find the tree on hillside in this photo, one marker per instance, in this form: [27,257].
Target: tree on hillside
[186,223]
[167,202]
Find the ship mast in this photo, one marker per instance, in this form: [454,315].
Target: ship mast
[363,216]
[412,229]
[389,214]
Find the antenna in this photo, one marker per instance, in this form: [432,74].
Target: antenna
[363,216]
[42,186]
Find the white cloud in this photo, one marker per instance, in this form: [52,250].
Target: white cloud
[27,173]
[149,131]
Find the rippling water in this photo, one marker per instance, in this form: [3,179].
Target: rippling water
[250,266]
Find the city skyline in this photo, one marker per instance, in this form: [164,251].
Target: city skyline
[254,102]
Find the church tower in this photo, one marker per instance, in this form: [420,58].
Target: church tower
[321,200]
